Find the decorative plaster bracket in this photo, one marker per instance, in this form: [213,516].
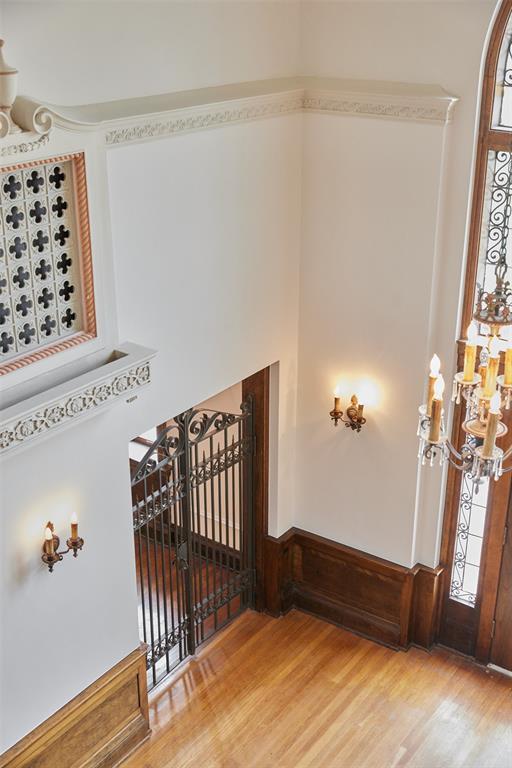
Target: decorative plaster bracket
[127,371]
[153,117]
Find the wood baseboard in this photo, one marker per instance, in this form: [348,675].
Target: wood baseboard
[376,598]
[99,728]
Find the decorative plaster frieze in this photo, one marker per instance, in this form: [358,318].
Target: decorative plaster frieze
[79,398]
[23,146]
[199,119]
[154,117]
[347,105]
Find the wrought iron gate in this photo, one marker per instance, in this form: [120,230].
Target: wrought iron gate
[193,528]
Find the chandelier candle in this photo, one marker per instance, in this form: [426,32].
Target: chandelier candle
[435,366]
[437,410]
[492,367]
[470,354]
[482,370]
[492,426]
[74,527]
[508,365]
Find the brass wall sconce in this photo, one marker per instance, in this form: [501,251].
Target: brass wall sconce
[354,415]
[51,554]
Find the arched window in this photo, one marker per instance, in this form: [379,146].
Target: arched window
[475,523]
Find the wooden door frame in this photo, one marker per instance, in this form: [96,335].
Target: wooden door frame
[258,386]
[470,629]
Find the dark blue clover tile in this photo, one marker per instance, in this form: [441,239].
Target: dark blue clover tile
[7,341]
[47,326]
[11,186]
[17,247]
[26,334]
[23,304]
[57,176]
[14,216]
[35,181]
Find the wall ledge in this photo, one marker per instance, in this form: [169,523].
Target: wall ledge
[150,117]
[127,370]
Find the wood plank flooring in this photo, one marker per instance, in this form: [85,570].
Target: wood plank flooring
[297,692]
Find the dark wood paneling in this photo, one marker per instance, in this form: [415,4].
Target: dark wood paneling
[371,596]
[426,601]
[97,729]
[278,573]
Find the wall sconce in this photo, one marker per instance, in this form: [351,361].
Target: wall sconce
[354,415]
[51,544]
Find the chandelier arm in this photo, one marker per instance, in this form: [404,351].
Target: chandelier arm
[453,451]
[451,461]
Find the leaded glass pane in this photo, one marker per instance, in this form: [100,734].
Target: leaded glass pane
[495,244]
[468,541]
[502,110]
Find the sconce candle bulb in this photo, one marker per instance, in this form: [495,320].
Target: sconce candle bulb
[48,541]
[74,526]
[51,544]
[355,418]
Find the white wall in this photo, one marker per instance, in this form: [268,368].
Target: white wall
[207,266]
[371,190]
[104,50]
[368,194]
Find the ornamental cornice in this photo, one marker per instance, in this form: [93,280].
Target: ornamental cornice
[76,399]
[154,117]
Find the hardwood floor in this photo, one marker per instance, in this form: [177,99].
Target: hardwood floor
[297,692]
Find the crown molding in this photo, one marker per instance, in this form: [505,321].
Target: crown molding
[128,370]
[153,117]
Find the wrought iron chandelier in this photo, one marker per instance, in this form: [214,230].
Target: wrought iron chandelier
[485,392]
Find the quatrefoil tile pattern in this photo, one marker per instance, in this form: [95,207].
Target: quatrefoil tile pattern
[40,283]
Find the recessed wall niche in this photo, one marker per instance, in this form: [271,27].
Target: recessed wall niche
[46,282]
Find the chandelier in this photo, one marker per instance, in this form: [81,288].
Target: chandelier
[485,392]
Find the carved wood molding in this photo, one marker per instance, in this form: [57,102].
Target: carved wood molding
[80,397]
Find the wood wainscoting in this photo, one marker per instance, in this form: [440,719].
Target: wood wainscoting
[386,602]
[97,729]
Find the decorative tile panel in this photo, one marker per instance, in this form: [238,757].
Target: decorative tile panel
[46,290]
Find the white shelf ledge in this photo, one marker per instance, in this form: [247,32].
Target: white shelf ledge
[149,117]
[127,370]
